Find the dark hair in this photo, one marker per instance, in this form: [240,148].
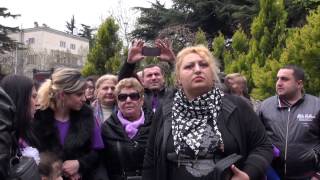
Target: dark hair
[151,66]
[19,88]
[47,159]
[298,72]
[92,78]
[1,74]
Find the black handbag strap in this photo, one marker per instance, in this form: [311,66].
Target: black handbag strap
[15,151]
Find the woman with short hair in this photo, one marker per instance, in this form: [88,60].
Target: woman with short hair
[105,101]
[201,126]
[126,132]
[65,124]
[89,91]
[237,85]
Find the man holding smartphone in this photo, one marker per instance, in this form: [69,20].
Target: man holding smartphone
[153,78]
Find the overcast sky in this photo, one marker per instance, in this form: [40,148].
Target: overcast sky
[55,13]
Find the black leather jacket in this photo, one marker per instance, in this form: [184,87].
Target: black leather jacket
[117,143]
[7,110]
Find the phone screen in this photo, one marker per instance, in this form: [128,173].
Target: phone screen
[151,51]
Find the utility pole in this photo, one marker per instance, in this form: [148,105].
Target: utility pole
[16,60]
[19,61]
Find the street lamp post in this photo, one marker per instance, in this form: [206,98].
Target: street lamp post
[16,60]
[125,33]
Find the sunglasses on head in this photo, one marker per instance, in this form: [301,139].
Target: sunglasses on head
[133,96]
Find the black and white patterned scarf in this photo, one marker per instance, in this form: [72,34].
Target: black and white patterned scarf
[190,118]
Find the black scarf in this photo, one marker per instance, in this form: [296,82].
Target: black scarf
[190,118]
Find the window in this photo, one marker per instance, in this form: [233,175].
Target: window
[62,44]
[30,40]
[72,46]
[31,59]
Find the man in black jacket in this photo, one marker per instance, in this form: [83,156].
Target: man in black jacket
[290,121]
[153,78]
[6,132]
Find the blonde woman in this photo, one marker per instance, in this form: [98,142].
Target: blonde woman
[201,126]
[65,124]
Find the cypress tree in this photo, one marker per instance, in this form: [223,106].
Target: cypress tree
[303,49]
[104,56]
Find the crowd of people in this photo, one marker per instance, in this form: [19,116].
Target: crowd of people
[134,126]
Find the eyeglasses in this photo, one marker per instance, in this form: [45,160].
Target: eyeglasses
[133,96]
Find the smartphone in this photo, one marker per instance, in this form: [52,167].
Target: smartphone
[151,51]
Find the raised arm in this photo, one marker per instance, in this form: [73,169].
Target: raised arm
[134,56]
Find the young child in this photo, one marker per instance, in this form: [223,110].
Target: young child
[50,166]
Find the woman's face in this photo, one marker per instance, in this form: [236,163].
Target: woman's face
[33,101]
[236,86]
[195,75]
[89,92]
[105,92]
[75,100]
[130,103]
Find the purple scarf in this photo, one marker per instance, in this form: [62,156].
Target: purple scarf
[131,128]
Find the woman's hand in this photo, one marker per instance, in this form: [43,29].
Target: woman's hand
[238,174]
[70,167]
[135,52]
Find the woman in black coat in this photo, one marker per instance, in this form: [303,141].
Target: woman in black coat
[126,132]
[65,125]
[201,126]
